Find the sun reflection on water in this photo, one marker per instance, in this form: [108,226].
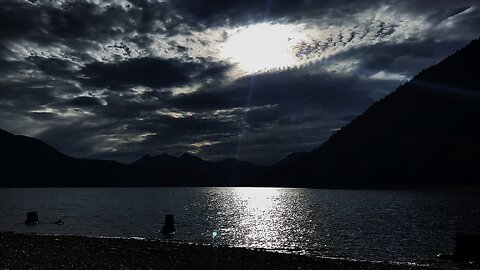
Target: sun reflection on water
[259,217]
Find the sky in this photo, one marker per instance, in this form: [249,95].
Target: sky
[253,80]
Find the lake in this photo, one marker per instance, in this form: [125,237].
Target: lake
[402,226]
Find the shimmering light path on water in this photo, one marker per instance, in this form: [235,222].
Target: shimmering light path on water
[372,225]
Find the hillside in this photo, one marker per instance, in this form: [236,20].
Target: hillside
[424,133]
[28,162]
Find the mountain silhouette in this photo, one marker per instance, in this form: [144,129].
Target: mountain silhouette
[229,172]
[426,132]
[290,159]
[27,157]
[28,162]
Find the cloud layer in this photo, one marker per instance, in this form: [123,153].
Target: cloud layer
[121,79]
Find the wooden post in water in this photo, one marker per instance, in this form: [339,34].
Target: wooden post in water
[169,228]
[32,218]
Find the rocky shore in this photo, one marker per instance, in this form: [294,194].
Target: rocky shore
[28,251]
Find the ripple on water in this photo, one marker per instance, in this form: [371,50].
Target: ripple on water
[408,226]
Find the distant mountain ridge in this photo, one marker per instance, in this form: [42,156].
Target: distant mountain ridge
[426,133]
[228,172]
[28,162]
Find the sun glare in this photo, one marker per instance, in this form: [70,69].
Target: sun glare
[262,47]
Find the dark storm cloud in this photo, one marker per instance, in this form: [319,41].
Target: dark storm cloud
[85,101]
[213,12]
[44,22]
[244,135]
[80,137]
[150,72]
[407,58]
[283,112]
[446,7]
[87,137]
[47,22]
[288,122]
[464,16]
[127,107]
[58,68]
[295,86]
[241,12]
[214,71]
[68,72]
[9,67]
[462,27]
[155,73]
[41,116]
[271,132]
[444,14]
[27,94]
[169,129]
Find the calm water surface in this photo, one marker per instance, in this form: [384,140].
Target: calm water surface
[405,226]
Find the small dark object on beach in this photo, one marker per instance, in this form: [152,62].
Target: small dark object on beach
[58,222]
[169,228]
[467,247]
[32,218]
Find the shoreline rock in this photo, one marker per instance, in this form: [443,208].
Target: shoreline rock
[30,251]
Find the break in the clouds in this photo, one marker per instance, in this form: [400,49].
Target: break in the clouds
[255,80]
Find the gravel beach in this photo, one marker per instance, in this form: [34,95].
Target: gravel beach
[29,251]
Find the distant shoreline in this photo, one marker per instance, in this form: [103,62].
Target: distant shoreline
[448,188]
[30,251]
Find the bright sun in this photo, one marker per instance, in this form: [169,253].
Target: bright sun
[262,47]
